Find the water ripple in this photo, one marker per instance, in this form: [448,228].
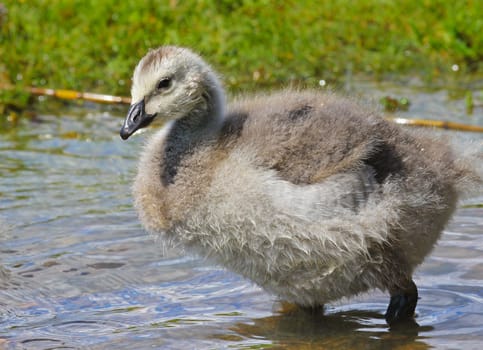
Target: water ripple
[78,271]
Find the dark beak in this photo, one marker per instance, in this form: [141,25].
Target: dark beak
[136,119]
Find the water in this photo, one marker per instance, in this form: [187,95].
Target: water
[78,271]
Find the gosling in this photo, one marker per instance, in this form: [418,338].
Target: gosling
[310,195]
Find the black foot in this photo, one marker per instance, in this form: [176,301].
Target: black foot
[313,310]
[402,305]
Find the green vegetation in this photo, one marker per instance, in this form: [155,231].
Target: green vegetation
[93,45]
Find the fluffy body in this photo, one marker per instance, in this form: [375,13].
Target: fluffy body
[310,195]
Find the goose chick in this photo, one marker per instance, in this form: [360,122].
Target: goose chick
[310,195]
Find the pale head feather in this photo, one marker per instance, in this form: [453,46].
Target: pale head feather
[191,79]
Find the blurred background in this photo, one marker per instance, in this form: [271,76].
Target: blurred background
[94,45]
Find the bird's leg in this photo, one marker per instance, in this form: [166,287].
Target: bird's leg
[403,303]
[313,310]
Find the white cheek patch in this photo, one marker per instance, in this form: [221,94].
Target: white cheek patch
[151,107]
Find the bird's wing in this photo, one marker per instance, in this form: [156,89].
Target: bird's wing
[308,138]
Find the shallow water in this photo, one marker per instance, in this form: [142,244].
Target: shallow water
[78,271]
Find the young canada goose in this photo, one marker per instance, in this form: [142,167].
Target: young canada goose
[310,195]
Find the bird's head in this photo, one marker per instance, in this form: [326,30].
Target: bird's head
[170,83]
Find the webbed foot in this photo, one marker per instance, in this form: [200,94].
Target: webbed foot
[402,305]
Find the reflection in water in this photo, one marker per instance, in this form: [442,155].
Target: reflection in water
[341,330]
[77,270]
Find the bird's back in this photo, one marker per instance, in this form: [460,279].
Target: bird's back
[308,136]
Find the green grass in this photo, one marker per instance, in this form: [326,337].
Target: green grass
[93,45]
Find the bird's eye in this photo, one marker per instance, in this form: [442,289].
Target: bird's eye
[164,84]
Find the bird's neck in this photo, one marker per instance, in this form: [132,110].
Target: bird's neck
[193,131]
[206,118]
